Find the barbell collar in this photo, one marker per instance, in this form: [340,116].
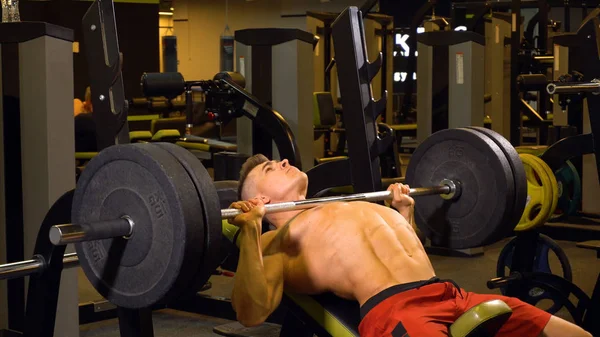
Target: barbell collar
[73,233]
[447,187]
[33,266]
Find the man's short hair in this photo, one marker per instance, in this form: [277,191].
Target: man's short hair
[247,167]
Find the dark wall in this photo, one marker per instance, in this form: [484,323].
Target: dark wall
[403,11]
[137,28]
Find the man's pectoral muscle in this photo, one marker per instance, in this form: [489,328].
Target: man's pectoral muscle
[258,284]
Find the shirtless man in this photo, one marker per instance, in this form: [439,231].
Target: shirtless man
[358,250]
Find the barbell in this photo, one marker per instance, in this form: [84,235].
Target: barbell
[147,223]
[124,227]
[36,265]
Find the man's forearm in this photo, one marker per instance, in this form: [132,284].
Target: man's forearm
[250,292]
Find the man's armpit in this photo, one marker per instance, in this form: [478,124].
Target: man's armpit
[269,243]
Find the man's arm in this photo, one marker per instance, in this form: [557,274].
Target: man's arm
[258,283]
[405,205]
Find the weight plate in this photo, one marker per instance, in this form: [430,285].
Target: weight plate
[553,184]
[476,217]
[207,194]
[539,194]
[517,168]
[541,263]
[147,184]
[569,189]
[560,292]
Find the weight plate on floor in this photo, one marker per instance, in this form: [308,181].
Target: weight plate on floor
[160,259]
[517,168]
[539,193]
[541,263]
[482,212]
[207,194]
[559,292]
[569,189]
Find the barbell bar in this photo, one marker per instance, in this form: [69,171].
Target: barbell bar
[124,227]
[573,87]
[33,266]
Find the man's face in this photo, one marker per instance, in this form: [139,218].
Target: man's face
[277,181]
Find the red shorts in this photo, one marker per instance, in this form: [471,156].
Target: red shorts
[428,308]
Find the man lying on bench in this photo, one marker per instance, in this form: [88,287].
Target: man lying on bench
[360,251]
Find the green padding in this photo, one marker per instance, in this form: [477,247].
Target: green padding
[136,135]
[137,118]
[85,155]
[166,133]
[328,159]
[487,120]
[485,317]
[194,146]
[403,127]
[229,231]
[323,317]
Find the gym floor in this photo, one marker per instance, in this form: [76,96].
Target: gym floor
[470,273]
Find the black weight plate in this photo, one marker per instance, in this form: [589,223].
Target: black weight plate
[541,264]
[518,169]
[480,214]
[207,194]
[147,184]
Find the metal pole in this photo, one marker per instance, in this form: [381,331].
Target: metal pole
[572,88]
[447,188]
[33,266]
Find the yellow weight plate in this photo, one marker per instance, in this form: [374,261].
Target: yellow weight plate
[539,194]
[554,185]
[535,150]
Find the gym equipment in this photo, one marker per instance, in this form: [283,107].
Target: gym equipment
[578,59]
[543,286]
[518,169]
[494,313]
[226,100]
[569,189]
[480,165]
[568,179]
[450,89]
[152,206]
[106,81]
[541,263]
[34,266]
[37,142]
[265,56]
[561,292]
[542,193]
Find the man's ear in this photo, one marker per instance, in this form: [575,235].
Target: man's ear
[264,199]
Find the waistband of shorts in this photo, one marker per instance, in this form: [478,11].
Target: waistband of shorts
[394,290]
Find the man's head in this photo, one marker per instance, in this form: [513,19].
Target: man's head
[270,180]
